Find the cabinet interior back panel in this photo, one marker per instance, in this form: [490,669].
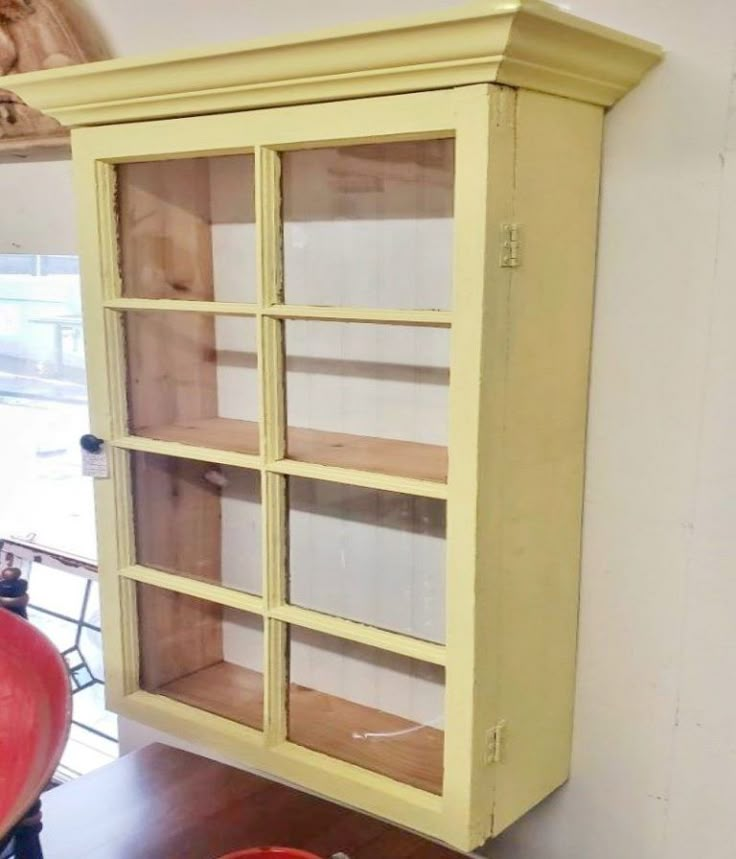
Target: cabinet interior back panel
[384,381]
[370,225]
[370,556]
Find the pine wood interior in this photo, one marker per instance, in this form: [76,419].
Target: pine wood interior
[164,226]
[176,515]
[175,520]
[379,455]
[166,252]
[165,221]
[321,722]
[177,635]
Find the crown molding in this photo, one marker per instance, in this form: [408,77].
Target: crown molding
[526,43]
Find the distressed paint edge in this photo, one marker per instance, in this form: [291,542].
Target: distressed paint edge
[198,588]
[361,633]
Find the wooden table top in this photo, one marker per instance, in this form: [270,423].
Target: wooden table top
[163,803]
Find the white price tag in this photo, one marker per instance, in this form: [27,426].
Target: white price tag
[94,464]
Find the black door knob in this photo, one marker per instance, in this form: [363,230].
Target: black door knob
[91,443]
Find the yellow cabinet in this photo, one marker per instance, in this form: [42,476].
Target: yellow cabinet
[338,295]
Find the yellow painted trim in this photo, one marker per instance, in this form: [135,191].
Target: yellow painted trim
[187,451]
[353,477]
[402,792]
[432,318]
[195,588]
[371,636]
[484,158]
[275,537]
[120,476]
[159,709]
[518,42]
[421,115]
[94,193]
[272,417]
[129,654]
[172,305]
[272,388]
[268,238]
[276,669]
[276,681]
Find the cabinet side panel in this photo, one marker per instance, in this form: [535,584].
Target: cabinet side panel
[543,444]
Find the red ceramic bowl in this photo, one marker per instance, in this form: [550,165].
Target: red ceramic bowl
[35,711]
[270,853]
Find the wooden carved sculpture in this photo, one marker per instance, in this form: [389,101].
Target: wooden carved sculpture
[39,34]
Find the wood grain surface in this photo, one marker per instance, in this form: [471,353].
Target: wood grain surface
[163,803]
[166,251]
[343,450]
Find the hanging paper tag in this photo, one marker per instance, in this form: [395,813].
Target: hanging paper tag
[94,464]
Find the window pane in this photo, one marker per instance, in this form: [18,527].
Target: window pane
[59,265]
[18,264]
[377,394]
[370,556]
[43,404]
[378,710]
[198,520]
[187,229]
[56,591]
[192,378]
[201,654]
[370,225]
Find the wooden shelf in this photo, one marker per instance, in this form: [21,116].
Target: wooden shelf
[219,433]
[323,723]
[363,453]
[224,689]
[335,727]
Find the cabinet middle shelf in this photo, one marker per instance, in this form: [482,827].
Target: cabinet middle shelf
[392,457]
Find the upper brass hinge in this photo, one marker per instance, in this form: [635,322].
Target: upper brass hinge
[510,246]
[494,743]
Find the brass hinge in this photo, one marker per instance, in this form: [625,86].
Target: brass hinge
[510,246]
[494,743]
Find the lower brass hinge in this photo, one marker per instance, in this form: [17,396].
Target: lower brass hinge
[494,743]
[510,246]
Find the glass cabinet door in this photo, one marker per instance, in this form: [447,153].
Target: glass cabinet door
[282,322]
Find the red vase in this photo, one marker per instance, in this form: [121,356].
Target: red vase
[35,711]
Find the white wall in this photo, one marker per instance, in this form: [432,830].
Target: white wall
[36,212]
[654,768]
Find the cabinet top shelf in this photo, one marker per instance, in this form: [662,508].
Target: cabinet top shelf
[522,43]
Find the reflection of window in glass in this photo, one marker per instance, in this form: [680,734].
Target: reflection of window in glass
[43,403]
[65,606]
